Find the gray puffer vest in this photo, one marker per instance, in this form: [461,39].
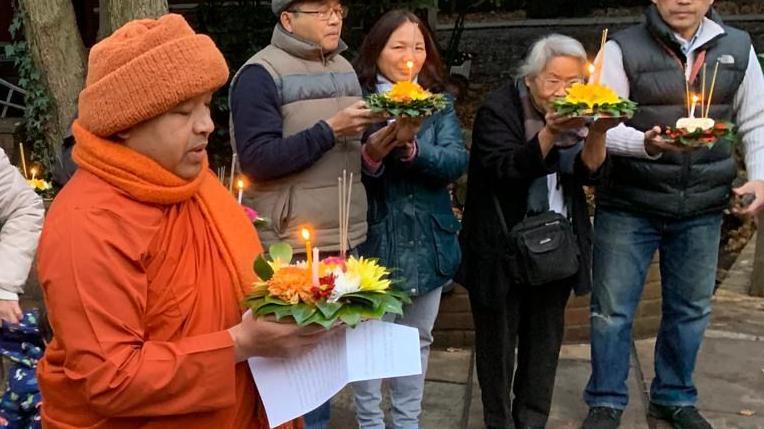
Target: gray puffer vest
[313,86]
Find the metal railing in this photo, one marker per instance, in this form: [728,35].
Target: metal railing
[5,102]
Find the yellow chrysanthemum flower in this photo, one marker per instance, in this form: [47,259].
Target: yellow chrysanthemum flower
[591,95]
[407,91]
[370,272]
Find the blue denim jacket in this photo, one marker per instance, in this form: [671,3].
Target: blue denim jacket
[412,228]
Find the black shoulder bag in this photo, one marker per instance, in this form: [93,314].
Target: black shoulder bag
[543,247]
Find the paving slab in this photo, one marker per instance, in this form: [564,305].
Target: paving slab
[442,406]
[450,366]
[729,376]
[568,408]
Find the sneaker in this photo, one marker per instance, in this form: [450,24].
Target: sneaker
[679,417]
[602,418]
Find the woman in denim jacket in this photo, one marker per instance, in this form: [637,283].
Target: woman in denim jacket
[408,166]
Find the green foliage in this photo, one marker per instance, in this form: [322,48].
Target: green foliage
[38,110]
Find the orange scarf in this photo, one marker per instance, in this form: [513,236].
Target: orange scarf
[147,181]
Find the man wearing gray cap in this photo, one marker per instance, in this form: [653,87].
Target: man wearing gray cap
[296,122]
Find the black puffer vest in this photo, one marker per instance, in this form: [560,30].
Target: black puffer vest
[676,185]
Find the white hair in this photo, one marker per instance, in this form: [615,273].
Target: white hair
[547,48]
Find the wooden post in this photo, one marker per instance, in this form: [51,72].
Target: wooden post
[757,280]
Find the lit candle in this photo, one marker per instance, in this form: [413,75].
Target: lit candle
[694,102]
[240,185]
[410,67]
[591,69]
[34,173]
[308,247]
[314,267]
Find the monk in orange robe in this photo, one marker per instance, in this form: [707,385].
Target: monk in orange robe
[145,257]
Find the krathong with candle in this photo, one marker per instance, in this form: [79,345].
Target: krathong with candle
[593,100]
[407,99]
[41,186]
[322,291]
[703,131]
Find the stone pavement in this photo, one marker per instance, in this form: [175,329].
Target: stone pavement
[729,377]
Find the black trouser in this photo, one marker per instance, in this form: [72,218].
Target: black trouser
[533,319]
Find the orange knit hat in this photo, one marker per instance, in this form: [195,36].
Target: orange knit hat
[144,69]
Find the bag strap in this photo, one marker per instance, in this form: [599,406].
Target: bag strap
[500,214]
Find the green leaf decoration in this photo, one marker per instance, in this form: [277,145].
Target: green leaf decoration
[350,315]
[281,251]
[328,309]
[302,312]
[263,268]
[267,309]
[391,304]
[379,103]
[319,319]
[374,299]
[273,300]
[623,109]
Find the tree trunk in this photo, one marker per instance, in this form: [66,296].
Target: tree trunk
[114,13]
[50,28]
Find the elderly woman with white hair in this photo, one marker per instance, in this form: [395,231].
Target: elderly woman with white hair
[527,161]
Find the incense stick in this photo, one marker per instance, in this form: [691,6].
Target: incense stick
[233,170]
[711,91]
[341,207]
[347,212]
[687,94]
[703,112]
[23,160]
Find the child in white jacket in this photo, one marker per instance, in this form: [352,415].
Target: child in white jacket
[21,217]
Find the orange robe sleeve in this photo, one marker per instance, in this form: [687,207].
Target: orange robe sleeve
[96,291]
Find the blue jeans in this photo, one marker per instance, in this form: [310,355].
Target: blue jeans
[624,244]
[319,418]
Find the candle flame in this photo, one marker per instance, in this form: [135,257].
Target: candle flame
[695,98]
[305,234]
[591,68]
[409,64]
[33,171]
[240,184]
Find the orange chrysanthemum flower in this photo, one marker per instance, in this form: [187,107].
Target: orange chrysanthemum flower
[407,91]
[291,284]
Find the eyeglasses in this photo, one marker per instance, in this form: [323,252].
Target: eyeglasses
[552,84]
[325,15]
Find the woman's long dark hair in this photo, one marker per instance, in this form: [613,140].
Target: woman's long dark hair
[432,76]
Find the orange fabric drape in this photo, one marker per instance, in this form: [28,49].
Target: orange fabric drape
[143,272]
